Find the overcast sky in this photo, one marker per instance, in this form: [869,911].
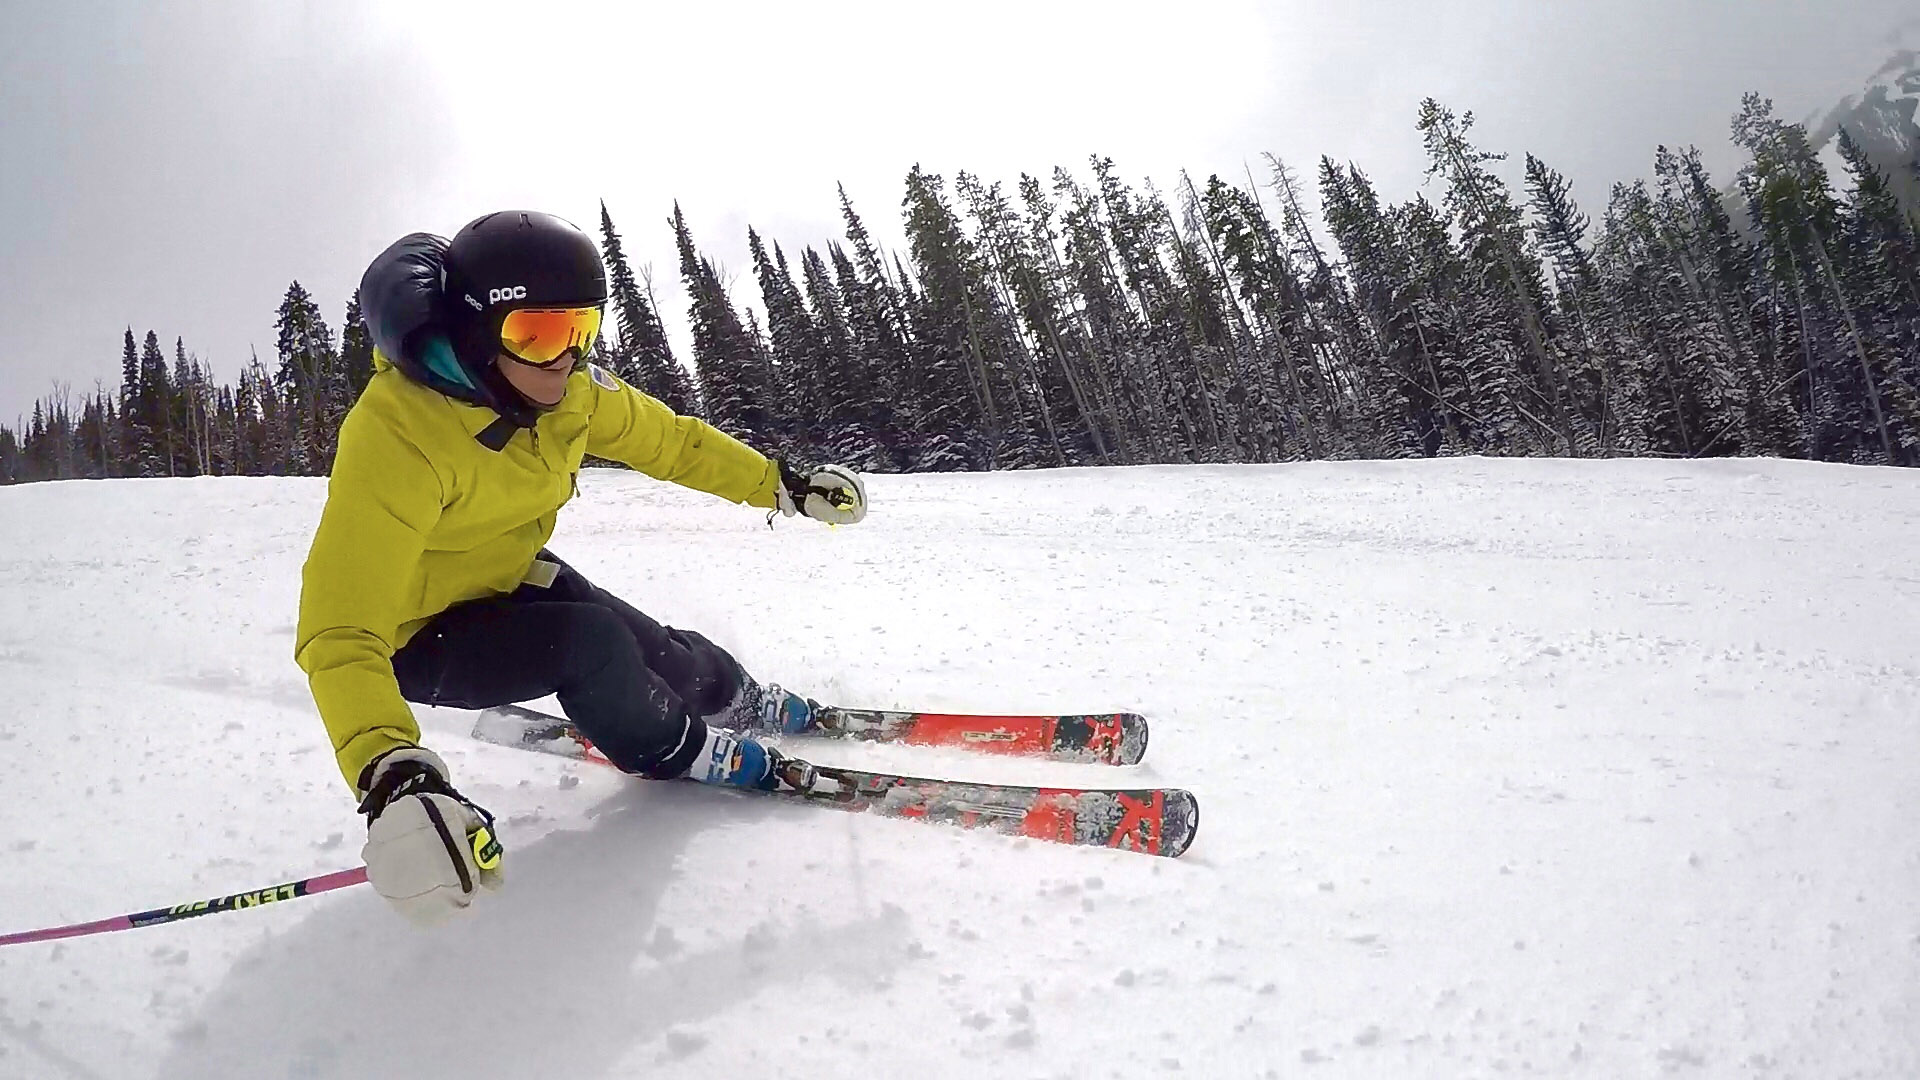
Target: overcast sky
[174,165]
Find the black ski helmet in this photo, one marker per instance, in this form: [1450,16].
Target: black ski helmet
[515,259]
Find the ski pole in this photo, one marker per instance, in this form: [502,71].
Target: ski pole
[339,879]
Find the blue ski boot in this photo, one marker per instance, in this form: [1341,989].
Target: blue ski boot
[743,761]
[785,711]
[767,708]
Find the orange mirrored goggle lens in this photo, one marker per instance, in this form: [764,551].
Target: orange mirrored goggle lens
[543,335]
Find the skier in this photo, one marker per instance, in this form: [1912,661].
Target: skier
[428,578]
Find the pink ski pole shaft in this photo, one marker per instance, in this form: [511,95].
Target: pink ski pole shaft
[292,890]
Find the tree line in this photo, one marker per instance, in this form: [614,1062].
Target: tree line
[1079,320]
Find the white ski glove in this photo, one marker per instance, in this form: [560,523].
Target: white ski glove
[428,848]
[830,493]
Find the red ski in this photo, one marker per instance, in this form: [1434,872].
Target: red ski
[1154,821]
[1105,738]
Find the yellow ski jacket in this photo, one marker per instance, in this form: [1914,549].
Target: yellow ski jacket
[421,516]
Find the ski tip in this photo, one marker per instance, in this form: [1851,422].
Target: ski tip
[1179,823]
[1133,739]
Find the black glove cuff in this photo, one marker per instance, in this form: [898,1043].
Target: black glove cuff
[407,778]
[793,480]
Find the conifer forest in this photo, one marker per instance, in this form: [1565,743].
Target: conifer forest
[1281,315]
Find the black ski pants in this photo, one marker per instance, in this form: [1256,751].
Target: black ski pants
[637,689]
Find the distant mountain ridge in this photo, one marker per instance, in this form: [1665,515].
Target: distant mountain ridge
[1881,119]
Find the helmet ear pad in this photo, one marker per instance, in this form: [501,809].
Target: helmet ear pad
[475,334]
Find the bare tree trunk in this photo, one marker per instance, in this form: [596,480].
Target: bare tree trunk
[1103,387]
[1213,253]
[1859,347]
[1031,366]
[1042,300]
[1314,446]
[1330,367]
[983,388]
[1246,341]
[1806,361]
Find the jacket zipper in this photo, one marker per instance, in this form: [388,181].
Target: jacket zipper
[572,478]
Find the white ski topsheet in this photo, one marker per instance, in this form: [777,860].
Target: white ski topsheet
[1527,767]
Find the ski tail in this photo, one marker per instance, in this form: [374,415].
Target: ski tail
[530,729]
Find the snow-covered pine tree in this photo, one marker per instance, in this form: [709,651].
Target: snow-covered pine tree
[35,450]
[156,394]
[882,347]
[1882,251]
[777,430]
[1505,294]
[796,352]
[356,350]
[853,407]
[1336,340]
[223,431]
[1022,272]
[12,465]
[1728,377]
[246,421]
[1268,384]
[877,316]
[186,414]
[1727,269]
[964,423]
[1146,424]
[1211,321]
[1472,348]
[1881,234]
[270,431]
[1560,228]
[871,268]
[1663,372]
[135,436]
[310,383]
[1049,411]
[1410,404]
[97,424]
[1134,234]
[734,383]
[47,450]
[1795,211]
[1048,304]
[640,352]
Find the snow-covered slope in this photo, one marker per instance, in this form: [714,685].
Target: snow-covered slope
[1594,769]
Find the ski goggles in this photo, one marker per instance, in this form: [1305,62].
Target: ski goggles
[541,336]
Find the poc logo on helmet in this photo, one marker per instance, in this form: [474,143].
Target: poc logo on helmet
[512,292]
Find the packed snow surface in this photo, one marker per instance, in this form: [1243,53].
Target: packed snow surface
[1551,768]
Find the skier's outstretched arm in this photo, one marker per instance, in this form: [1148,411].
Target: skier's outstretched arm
[637,430]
